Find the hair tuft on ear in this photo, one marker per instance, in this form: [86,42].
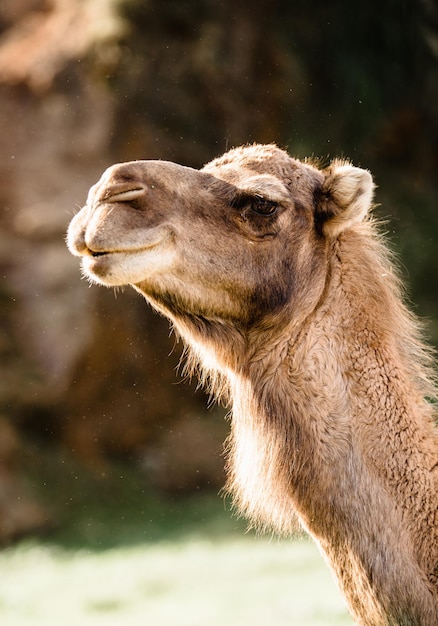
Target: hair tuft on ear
[346,197]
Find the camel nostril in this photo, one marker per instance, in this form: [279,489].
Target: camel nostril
[122,192]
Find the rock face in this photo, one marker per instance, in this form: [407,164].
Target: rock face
[96,389]
[46,312]
[100,391]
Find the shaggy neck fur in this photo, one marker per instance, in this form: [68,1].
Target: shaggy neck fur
[331,423]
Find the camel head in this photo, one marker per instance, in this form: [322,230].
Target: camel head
[236,241]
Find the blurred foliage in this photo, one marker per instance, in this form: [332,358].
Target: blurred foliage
[119,507]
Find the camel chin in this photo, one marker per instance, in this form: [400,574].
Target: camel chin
[115,269]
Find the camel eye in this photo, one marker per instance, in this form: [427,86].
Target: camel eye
[256,204]
[262,206]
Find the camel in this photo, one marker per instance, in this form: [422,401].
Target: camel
[276,276]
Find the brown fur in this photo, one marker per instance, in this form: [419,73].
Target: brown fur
[298,316]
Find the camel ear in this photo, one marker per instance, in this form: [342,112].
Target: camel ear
[345,199]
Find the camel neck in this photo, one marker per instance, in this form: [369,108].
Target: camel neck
[312,436]
[332,424]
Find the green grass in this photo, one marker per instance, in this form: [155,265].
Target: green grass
[184,583]
[123,556]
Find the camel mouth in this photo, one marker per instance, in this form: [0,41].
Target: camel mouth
[100,253]
[95,254]
[119,266]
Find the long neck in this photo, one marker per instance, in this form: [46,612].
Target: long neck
[332,425]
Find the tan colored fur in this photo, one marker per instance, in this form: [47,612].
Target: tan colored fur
[281,286]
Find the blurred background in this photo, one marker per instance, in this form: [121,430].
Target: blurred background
[89,388]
